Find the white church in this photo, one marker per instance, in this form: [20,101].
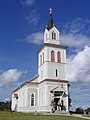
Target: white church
[49,90]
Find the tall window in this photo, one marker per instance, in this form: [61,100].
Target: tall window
[52,56]
[32,99]
[58,57]
[53,35]
[40,59]
[56,73]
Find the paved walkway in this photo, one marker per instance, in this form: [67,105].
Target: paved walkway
[67,114]
[80,116]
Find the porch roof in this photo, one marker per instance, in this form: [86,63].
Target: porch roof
[58,88]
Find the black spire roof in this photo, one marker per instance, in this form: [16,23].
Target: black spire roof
[50,23]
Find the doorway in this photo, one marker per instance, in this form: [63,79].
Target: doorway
[56,102]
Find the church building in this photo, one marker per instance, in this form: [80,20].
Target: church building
[49,89]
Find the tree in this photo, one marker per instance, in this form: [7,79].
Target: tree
[88,109]
[5,105]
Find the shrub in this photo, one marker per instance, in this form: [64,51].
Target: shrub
[5,105]
[88,109]
[79,110]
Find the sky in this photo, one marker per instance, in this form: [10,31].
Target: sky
[22,24]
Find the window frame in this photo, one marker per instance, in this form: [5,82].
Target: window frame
[54,35]
[56,72]
[40,59]
[32,99]
[58,57]
[52,56]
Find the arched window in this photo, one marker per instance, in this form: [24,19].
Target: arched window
[53,35]
[58,57]
[52,56]
[32,99]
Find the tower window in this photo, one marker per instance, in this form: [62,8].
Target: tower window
[56,73]
[58,57]
[53,35]
[52,56]
[40,59]
[32,99]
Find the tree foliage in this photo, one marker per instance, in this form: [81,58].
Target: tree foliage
[79,110]
[88,109]
[5,105]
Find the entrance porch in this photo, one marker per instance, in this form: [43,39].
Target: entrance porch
[58,99]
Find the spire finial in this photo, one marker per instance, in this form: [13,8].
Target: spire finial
[50,10]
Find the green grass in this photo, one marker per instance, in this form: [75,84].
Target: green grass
[30,116]
[86,115]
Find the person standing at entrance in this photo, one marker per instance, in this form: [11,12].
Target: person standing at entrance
[59,105]
[53,106]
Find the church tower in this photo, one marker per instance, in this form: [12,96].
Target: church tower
[52,55]
[51,34]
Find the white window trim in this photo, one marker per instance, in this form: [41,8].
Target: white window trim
[53,35]
[30,99]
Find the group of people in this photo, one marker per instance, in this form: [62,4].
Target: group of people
[57,106]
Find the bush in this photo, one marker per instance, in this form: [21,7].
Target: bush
[88,109]
[79,111]
[5,105]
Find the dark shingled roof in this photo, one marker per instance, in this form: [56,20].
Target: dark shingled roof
[50,23]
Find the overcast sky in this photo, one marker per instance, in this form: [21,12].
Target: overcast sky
[22,24]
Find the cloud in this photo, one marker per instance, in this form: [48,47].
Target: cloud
[7,99]
[76,34]
[33,17]
[0,85]
[36,38]
[10,76]
[79,94]
[27,2]
[9,81]
[7,90]
[79,66]
[76,41]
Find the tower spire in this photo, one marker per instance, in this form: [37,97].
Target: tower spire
[50,23]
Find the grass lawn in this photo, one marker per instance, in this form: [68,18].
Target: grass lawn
[28,116]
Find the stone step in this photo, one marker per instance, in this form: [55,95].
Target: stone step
[61,112]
